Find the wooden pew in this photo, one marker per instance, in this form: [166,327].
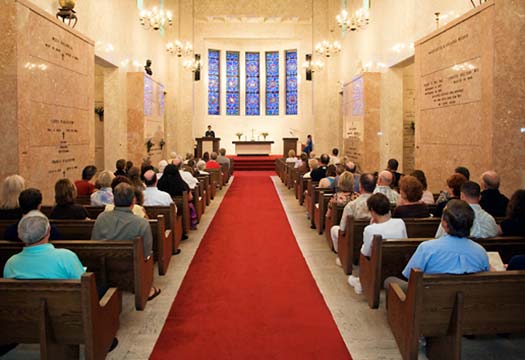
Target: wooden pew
[390,256]
[351,240]
[183,209]
[321,208]
[173,220]
[310,186]
[197,201]
[59,315]
[83,199]
[302,186]
[217,178]
[226,173]
[289,175]
[297,185]
[202,191]
[335,219]
[279,168]
[444,307]
[117,263]
[162,238]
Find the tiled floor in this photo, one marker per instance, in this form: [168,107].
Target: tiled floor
[365,331]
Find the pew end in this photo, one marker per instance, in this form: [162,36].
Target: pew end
[60,315]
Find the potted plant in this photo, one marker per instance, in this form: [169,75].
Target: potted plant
[99,110]
[239,134]
[264,135]
[149,145]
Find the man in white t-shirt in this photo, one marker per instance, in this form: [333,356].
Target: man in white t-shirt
[381,224]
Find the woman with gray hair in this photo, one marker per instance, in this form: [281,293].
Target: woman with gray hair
[11,189]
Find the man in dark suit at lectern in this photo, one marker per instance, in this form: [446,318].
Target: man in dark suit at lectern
[210,132]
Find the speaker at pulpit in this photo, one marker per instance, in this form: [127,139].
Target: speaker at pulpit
[207,144]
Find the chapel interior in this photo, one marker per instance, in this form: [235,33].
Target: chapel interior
[435,84]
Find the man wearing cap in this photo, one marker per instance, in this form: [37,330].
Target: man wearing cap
[39,259]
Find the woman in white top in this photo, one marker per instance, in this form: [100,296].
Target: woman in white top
[291,157]
[382,224]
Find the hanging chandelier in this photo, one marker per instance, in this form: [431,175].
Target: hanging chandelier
[358,21]
[179,48]
[328,48]
[155,18]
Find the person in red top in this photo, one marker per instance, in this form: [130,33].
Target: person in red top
[212,163]
[85,187]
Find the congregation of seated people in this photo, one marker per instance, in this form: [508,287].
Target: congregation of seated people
[387,197]
[123,194]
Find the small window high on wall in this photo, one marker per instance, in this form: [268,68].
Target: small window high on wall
[253,97]
[214,82]
[232,83]
[272,83]
[291,82]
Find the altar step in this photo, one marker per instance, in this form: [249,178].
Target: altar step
[254,163]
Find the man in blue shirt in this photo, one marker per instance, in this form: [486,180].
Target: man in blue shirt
[39,259]
[453,253]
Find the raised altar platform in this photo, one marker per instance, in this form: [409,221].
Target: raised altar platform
[254,163]
[253,148]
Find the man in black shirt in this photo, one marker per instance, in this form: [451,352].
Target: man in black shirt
[492,201]
[210,132]
[320,172]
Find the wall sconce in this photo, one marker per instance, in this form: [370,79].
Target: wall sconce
[194,65]
[311,66]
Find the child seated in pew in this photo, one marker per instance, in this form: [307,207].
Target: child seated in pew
[381,223]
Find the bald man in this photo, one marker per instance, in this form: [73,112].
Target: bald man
[492,201]
[152,195]
[384,181]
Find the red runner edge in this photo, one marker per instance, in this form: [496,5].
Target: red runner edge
[248,293]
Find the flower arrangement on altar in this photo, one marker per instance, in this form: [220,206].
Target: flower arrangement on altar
[264,135]
[239,134]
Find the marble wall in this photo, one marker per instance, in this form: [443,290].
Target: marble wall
[470,96]
[361,117]
[47,97]
[145,126]
[121,46]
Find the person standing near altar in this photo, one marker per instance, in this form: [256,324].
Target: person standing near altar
[210,132]
[309,146]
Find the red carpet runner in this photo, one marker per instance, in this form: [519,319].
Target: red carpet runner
[248,293]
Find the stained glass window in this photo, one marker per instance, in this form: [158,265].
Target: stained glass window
[214,82]
[253,98]
[291,82]
[272,83]
[232,83]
